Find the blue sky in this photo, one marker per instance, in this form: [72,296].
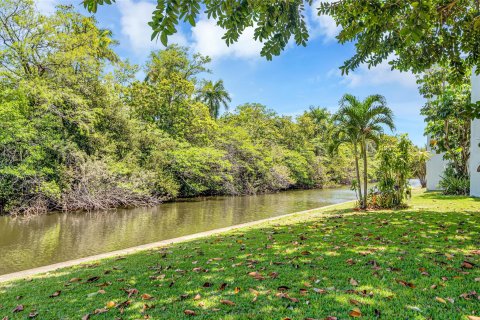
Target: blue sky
[299,78]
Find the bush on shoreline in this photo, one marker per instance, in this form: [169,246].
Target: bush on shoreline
[79,131]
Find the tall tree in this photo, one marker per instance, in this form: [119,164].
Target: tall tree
[419,165]
[348,133]
[167,96]
[448,111]
[53,93]
[214,95]
[363,121]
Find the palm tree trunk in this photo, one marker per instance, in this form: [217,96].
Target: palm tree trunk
[357,169]
[365,174]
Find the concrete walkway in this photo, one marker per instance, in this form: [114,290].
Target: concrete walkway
[56,266]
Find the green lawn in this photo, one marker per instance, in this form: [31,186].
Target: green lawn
[418,263]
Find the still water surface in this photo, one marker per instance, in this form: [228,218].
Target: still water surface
[47,239]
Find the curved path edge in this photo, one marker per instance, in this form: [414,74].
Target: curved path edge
[153,245]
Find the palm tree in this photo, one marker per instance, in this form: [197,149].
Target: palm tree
[344,134]
[359,123]
[419,164]
[214,96]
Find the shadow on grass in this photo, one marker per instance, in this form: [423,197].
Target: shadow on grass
[392,263]
[436,195]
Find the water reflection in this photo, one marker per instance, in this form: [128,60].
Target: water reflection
[47,239]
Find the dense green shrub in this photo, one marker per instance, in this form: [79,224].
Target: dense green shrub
[394,170]
[454,183]
[79,131]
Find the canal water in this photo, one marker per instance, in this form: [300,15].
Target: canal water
[42,240]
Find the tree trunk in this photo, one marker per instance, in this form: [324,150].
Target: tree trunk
[357,169]
[365,175]
[423,182]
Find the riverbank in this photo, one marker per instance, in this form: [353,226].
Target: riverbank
[49,268]
[27,243]
[420,262]
[145,202]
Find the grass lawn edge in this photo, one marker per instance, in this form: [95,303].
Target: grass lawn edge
[58,267]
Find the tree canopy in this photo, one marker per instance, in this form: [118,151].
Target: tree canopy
[79,130]
[411,35]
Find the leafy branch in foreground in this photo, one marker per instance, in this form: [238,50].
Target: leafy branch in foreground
[411,35]
[275,21]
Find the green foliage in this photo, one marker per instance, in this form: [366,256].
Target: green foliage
[378,266]
[395,163]
[454,184]
[448,113]
[359,124]
[214,96]
[411,35]
[74,136]
[420,157]
[200,170]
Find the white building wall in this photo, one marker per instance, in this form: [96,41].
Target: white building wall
[435,168]
[475,141]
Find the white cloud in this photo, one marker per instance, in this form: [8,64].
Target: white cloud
[134,19]
[378,75]
[322,25]
[46,6]
[207,40]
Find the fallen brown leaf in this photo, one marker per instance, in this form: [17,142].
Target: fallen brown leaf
[92,279]
[355,312]
[355,302]
[223,286]
[100,311]
[146,296]
[255,292]
[440,300]
[227,302]
[18,308]
[189,312]
[321,291]
[131,292]
[256,275]
[55,294]
[405,283]
[467,265]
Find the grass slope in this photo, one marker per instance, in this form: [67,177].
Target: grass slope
[417,263]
